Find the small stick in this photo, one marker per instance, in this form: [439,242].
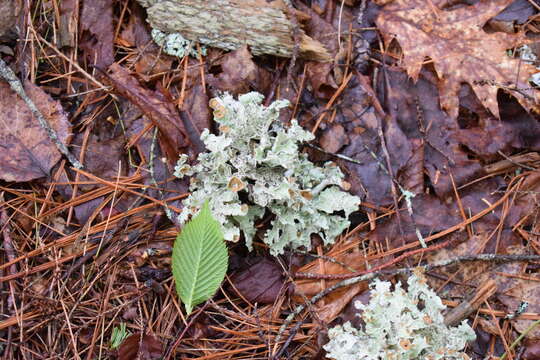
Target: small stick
[520,337]
[339,156]
[470,304]
[8,75]
[366,271]
[8,248]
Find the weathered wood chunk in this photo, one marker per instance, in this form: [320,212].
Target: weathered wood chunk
[228,24]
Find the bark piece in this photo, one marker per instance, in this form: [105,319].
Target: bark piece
[229,24]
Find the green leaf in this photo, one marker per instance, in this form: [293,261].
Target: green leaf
[199,259]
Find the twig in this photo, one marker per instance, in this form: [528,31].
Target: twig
[378,268]
[8,245]
[260,332]
[470,304]
[339,156]
[170,350]
[512,161]
[168,211]
[292,334]
[327,258]
[482,257]
[520,337]
[8,75]
[10,253]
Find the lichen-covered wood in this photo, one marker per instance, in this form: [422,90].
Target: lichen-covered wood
[229,24]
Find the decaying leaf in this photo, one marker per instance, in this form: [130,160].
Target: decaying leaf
[138,346]
[239,73]
[27,153]
[261,283]
[461,51]
[97,32]
[8,15]
[331,306]
[154,105]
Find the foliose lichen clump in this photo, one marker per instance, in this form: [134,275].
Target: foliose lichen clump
[176,45]
[400,325]
[255,168]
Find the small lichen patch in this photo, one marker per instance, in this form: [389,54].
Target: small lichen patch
[397,328]
[176,45]
[255,167]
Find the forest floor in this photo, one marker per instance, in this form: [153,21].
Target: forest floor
[429,107]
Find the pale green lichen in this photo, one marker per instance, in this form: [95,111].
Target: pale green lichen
[528,56]
[400,325]
[254,167]
[176,45]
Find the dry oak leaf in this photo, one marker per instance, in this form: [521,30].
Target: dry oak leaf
[462,52]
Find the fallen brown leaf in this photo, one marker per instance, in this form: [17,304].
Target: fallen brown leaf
[145,347]
[532,349]
[334,138]
[518,11]
[333,304]
[8,15]
[157,107]
[27,152]
[261,283]
[97,32]
[461,51]
[239,74]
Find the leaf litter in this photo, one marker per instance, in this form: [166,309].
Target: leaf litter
[436,130]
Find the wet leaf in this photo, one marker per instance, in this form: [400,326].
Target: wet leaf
[532,349]
[261,283]
[196,116]
[97,32]
[334,138]
[136,33]
[238,74]
[420,118]
[9,10]
[157,107]
[461,51]
[27,152]
[146,347]
[102,157]
[332,305]
[518,11]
